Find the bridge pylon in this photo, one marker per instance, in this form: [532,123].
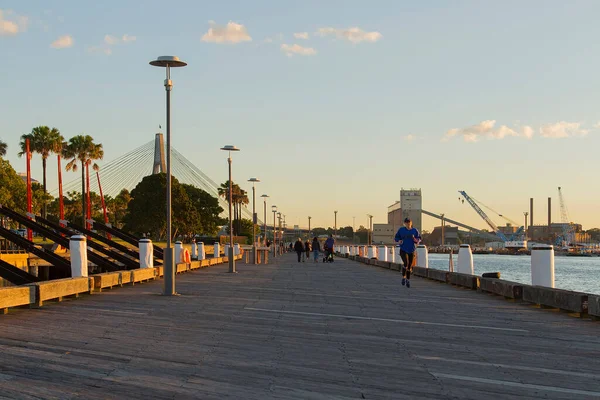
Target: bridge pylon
[159,155]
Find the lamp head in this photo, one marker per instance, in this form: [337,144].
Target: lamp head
[229,147]
[265,196]
[168,61]
[254,180]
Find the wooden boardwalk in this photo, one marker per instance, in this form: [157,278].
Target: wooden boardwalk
[296,331]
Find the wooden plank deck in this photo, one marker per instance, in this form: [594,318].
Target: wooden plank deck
[296,331]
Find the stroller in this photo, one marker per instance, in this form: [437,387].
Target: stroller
[328,255]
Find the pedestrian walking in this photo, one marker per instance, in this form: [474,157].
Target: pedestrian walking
[408,237]
[316,248]
[328,248]
[307,248]
[299,248]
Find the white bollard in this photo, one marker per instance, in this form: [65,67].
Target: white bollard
[382,253]
[371,252]
[146,253]
[542,265]
[217,252]
[392,254]
[465,260]
[422,256]
[78,253]
[351,250]
[347,250]
[365,251]
[226,250]
[178,253]
[236,249]
[201,252]
[194,251]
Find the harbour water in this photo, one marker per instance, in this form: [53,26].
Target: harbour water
[581,274]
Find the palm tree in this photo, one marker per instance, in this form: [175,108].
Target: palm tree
[2,148]
[82,149]
[44,141]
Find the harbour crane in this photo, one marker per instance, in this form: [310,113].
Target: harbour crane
[483,215]
[491,223]
[568,231]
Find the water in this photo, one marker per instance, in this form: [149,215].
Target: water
[581,274]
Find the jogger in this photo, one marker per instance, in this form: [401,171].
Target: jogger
[409,238]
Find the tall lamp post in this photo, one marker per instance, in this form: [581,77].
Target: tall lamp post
[230,148]
[274,209]
[370,233]
[280,231]
[254,217]
[335,225]
[168,62]
[265,197]
[309,218]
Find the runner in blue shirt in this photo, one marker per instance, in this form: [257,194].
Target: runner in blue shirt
[409,238]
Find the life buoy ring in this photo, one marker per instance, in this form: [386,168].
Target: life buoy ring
[186,257]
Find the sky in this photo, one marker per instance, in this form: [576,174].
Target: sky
[335,105]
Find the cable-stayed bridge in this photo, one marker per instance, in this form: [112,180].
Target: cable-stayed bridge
[126,171]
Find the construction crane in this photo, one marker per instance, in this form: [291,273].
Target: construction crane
[482,214]
[568,232]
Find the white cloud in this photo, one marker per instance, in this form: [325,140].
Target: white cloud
[354,35]
[410,138]
[110,41]
[563,129]
[484,129]
[297,49]
[11,23]
[597,125]
[301,35]
[63,42]
[230,33]
[113,40]
[527,131]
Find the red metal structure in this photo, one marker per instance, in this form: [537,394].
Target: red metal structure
[88,212]
[61,204]
[29,196]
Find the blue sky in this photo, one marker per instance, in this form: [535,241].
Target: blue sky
[495,98]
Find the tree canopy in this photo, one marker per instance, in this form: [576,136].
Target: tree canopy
[194,210]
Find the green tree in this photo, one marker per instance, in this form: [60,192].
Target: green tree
[3,148]
[239,199]
[146,209]
[44,141]
[13,191]
[208,208]
[117,207]
[82,149]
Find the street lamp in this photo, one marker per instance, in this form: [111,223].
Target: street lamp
[335,225]
[254,218]
[274,209]
[370,233]
[230,148]
[168,62]
[265,197]
[309,218]
[280,231]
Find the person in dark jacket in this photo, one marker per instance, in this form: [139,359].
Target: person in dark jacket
[316,248]
[307,249]
[299,248]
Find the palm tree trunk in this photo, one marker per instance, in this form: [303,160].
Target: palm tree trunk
[83,205]
[44,185]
